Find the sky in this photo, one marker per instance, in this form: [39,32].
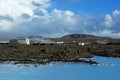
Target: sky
[56,18]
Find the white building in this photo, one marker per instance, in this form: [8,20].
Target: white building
[4,42]
[24,41]
[61,42]
[27,41]
[82,44]
[41,41]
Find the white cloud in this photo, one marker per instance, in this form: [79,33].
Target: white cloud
[16,8]
[66,17]
[112,20]
[106,32]
[111,33]
[108,20]
[5,25]
[31,17]
[116,12]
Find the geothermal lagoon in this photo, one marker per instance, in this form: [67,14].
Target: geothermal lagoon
[107,69]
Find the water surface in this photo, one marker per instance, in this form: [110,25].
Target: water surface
[109,69]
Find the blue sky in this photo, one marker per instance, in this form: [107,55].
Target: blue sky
[55,18]
[94,7]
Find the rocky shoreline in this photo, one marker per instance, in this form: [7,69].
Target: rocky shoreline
[43,54]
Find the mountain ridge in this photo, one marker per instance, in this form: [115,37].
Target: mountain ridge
[88,38]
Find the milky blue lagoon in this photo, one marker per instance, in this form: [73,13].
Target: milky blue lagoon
[109,69]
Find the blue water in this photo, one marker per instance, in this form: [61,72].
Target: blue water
[109,69]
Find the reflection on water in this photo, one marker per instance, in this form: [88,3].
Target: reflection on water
[108,69]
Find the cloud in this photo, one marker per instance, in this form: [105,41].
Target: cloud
[33,17]
[115,21]
[112,20]
[13,10]
[108,32]
[108,20]
[116,13]
[57,22]
[6,17]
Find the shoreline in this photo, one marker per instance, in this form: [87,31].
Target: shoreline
[43,54]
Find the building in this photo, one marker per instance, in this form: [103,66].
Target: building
[41,41]
[60,42]
[4,42]
[81,44]
[24,41]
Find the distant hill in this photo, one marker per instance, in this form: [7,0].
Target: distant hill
[80,36]
[85,38]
